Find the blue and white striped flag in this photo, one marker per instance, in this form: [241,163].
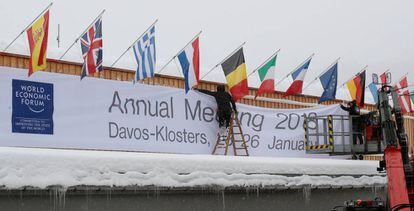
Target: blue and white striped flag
[144,52]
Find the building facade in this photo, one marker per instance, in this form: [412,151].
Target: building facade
[273,100]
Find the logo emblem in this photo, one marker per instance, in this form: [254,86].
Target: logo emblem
[32,107]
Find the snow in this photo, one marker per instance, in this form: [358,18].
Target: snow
[40,168]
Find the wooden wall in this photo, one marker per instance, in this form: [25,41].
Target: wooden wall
[268,100]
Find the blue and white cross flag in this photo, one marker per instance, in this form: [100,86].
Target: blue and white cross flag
[145,56]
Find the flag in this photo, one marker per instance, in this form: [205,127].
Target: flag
[404,95]
[329,82]
[374,91]
[92,53]
[383,77]
[298,76]
[38,34]
[190,64]
[266,75]
[356,88]
[412,100]
[144,52]
[235,71]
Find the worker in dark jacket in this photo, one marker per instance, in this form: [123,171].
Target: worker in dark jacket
[357,127]
[225,106]
[352,108]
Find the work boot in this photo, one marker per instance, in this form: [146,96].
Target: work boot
[223,131]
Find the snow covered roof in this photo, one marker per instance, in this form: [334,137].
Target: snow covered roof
[42,168]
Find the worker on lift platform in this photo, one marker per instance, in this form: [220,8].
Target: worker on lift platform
[357,126]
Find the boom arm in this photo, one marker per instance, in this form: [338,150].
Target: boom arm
[396,154]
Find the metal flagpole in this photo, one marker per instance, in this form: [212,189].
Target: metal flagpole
[261,65]
[401,78]
[405,87]
[195,37]
[381,74]
[7,47]
[366,66]
[77,39]
[322,72]
[134,42]
[215,66]
[313,54]
[387,70]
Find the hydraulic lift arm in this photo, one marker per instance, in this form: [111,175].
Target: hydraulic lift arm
[395,153]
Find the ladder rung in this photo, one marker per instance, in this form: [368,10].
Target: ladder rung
[229,141]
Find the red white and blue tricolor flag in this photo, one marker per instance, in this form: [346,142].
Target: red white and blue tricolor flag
[91,45]
[190,64]
[298,76]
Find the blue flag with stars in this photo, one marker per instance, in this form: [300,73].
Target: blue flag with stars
[329,82]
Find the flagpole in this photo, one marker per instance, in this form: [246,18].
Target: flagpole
[401,77]
[77,39]
[7,47]
[261,65]
[313,54]
[366,66]
[405,87]
[195,37]
[134,42]
[215,66]
[387,70]
[323,72]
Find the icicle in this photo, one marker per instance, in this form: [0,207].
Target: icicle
[62,197]
[223,200]
[307,193]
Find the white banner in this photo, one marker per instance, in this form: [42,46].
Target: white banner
[60,111]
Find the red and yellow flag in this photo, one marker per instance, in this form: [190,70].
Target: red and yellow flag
[235,71]
[37,35]
[356,88]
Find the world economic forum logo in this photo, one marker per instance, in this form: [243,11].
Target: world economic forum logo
[32,107]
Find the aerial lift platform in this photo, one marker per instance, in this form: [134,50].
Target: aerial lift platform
[382,131]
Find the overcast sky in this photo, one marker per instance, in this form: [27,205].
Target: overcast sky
[377,33]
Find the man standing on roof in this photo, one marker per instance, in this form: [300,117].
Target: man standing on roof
[225,106]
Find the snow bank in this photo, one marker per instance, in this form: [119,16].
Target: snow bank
[20,167]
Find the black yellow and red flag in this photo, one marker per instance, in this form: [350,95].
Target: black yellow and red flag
[38,34]
[235,71]
[356,88]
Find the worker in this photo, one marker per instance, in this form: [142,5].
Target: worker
[225,107]
[354,114]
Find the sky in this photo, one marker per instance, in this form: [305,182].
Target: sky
[377,33]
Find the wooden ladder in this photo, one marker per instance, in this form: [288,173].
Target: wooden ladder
[234,138]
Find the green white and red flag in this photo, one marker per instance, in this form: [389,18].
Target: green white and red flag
[266,75]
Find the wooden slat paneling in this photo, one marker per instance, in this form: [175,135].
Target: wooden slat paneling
[64,67]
